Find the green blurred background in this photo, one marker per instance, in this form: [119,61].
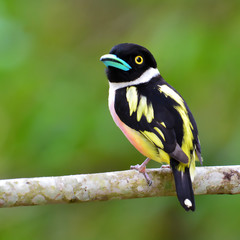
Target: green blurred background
[54,118]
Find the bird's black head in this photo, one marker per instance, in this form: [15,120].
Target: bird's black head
[127,62]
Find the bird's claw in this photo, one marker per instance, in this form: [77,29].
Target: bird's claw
[142,169]
[165,166]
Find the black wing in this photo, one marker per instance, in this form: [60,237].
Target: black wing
[166,124]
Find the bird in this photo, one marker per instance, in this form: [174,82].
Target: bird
[153,116]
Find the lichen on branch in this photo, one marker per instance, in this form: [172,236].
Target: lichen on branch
[113,185]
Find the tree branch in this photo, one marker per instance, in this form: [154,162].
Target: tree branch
[113,185]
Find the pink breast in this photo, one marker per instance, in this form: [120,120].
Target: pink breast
[136,138]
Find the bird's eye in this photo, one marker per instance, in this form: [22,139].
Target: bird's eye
[139,60]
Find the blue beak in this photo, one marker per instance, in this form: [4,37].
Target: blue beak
[111,60]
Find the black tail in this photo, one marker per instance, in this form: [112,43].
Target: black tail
[183,186]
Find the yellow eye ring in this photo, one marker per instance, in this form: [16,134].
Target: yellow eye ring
[139,60]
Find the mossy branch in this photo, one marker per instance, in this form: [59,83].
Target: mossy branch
[113,185]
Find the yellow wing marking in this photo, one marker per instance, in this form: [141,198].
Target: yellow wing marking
[132,98]
[152,137]
[144,108]
[163,124]
[169,92]
[187,143]
[160,132]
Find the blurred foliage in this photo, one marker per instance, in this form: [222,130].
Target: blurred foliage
[54,118]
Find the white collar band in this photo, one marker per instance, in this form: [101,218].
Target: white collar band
[145,77]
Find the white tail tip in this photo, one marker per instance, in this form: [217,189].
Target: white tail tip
[188,203]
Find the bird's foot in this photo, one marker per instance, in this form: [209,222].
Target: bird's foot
[142,169]
[165,166]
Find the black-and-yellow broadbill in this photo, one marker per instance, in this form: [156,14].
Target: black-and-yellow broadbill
[153,116]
